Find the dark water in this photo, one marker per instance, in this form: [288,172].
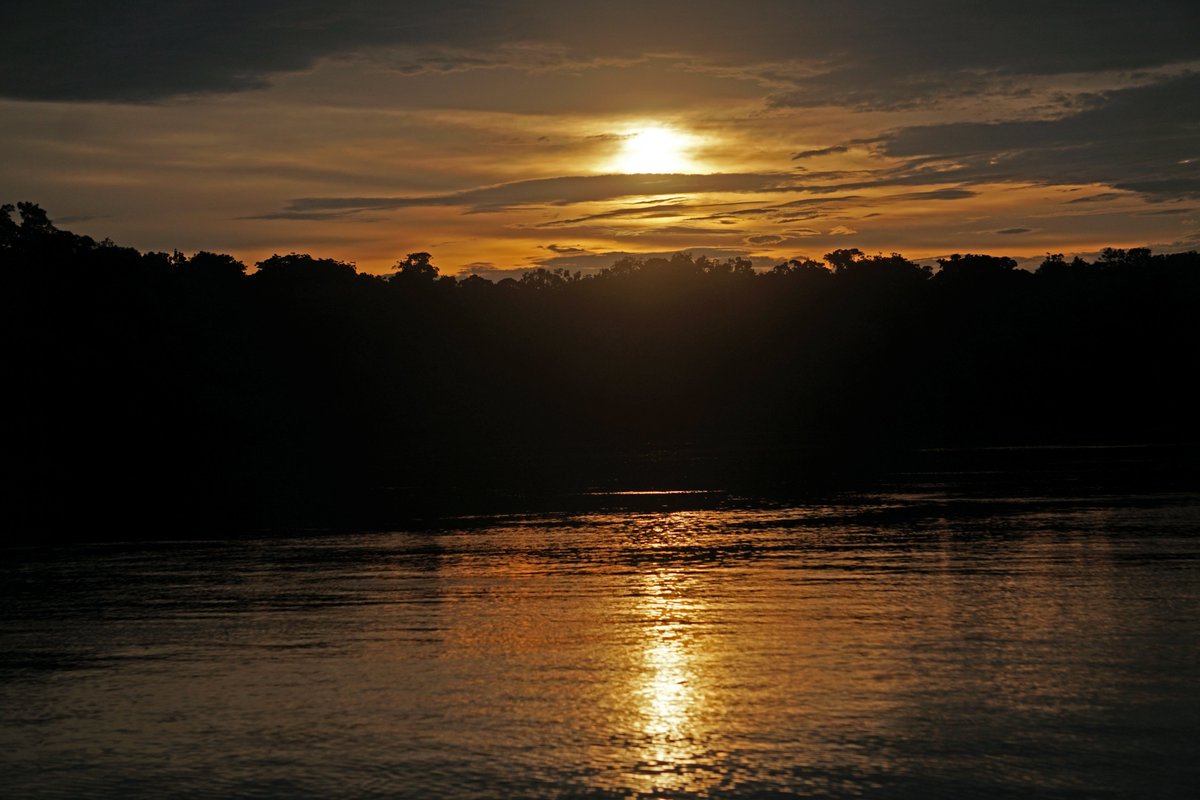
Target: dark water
[919,643]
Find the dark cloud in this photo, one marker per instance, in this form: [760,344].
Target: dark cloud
[764,239]
[1184,186]
[634,211]
[887,58]
[564,250]
[853,52]
[673,230]
[822,151]
[1167,212]
[809,208]
[1141,139]
[555,192]
[138,50]
[1014,231]
[595,262]
[792,211]
[1102,197]
[302,215]
[955,193]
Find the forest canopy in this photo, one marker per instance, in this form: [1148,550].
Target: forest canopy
[152,383]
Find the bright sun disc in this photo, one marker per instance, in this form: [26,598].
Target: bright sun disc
[654,150]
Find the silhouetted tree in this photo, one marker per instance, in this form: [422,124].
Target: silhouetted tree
[306,388]
[475,283]
[548,278]
[212,266]
[842,260]
[8,226]
[301,266]
[34,220]
[415,269]
[800,266]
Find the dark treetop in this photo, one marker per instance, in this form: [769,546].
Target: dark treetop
[151,388]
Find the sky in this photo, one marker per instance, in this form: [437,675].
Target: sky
[510,135]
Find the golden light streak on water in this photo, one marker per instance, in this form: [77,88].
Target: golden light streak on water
[897,644]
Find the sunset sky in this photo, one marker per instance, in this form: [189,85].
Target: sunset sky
[508,135]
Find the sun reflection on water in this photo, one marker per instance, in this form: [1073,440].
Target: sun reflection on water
[736,653]
[672,756]
[666,696]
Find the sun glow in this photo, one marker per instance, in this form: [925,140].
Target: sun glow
[655,149]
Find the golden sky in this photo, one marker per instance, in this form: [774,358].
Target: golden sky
[510,135]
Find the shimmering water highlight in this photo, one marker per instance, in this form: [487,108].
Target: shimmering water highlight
[906,644]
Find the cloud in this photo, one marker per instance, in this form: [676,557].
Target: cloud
[1014,231]
[301,215]
[1166,212]
[595,262]
[137,51]
[810,208]
[562,191]
[527,56]
[633,211]
[822,151]
[953,193]
[443,107]
[936,51]
[764,239]
[1102,197]
[852,52]
[1138,140]
[672,230]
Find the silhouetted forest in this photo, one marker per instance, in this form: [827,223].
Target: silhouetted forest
[152,388]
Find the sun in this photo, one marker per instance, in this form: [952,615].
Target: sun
[655,149]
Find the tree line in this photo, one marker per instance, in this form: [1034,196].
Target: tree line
[190,388]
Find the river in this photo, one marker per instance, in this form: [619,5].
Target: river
[917,641]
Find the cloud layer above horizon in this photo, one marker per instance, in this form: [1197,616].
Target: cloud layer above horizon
[485,132]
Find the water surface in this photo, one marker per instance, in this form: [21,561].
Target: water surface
[911,643]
